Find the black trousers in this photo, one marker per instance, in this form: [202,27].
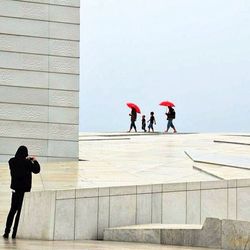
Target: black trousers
[15,209]
[132,125]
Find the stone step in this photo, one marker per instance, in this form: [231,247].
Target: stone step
[222,172]
[160,226]
[215,233]
[169,234]
[146,233]
[231,161]
[241,140]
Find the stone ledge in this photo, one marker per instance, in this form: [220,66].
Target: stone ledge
[208,235]
[215,233]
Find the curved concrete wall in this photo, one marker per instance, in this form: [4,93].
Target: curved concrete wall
[39,74]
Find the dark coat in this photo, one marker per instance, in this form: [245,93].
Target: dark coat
[171,114]
[21,170]
[133,115]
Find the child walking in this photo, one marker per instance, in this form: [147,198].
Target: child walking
[143,123]
[151,122]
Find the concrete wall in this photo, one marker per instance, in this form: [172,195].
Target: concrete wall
[85,213]
[39,75]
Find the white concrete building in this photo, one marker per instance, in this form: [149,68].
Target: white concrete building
[39,78]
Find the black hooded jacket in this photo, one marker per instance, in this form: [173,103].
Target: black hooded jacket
[21,170]
[133,115]
[170,114]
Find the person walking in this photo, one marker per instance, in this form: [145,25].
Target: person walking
[21,168]
[170,117]
[151,122]
[143,123]
[133,115]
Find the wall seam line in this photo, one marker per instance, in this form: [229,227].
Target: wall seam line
[136,197]
[40,20]
[75,217]
[109,208]
[186,219]
[151,204]
[97,222]
[42,37]
[41,3]
[39,54]
[54,217]
[41,71]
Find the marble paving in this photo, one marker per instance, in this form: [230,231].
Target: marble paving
[232,161]
[117,159]
[234,139]
[221,172]
[84,245]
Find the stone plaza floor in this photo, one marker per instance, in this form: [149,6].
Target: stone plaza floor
[121,159]
[84,245]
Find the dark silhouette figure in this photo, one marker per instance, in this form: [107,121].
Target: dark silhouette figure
[21,168]
[133,115]
[151,122]
[143,123]
[170,117]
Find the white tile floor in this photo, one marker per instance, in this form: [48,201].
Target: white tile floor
[113,161]
[83,245]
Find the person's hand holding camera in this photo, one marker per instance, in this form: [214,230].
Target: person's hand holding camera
[31,158]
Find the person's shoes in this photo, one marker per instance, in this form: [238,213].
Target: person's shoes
[5,236]
[175,131]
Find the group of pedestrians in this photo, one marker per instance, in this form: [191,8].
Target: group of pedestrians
[152,121]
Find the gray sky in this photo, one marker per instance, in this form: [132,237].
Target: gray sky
[195,53]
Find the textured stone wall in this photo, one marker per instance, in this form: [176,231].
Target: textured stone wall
[85,213]
[215,233]
[39,78]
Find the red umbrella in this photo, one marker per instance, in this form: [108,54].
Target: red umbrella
[167,104]
[132,105]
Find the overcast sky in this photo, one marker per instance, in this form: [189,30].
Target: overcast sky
[195,53]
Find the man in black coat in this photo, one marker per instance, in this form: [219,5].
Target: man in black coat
[21,168]
[133,115]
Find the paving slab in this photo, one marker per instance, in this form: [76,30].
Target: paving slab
[142,159]
[222,172]
[19,244]
[233,161]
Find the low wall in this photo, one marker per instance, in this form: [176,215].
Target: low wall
[85,213]
[215,233]
[209,235]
